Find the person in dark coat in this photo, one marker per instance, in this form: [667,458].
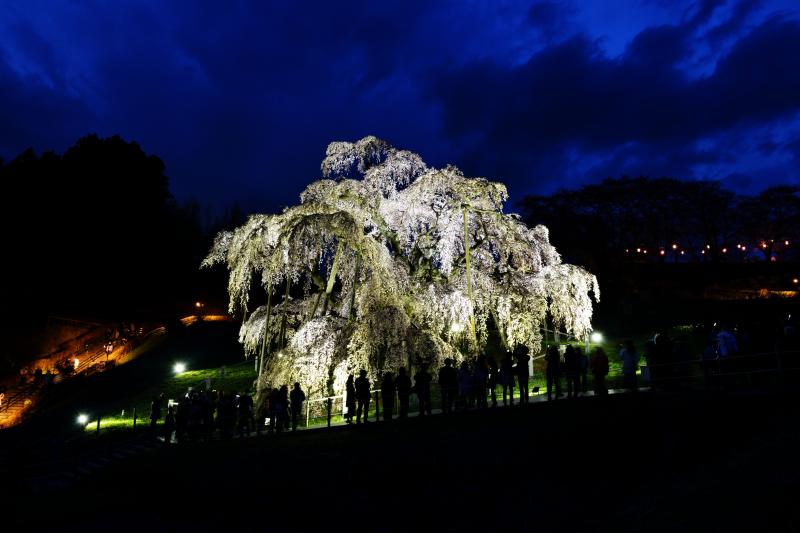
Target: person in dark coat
[387,395]
[480,380]
[599,367]
[448,385]
[274,399]
[182,419]
[362,396]
[169,425]
[522,372]
[297,396]
[403,385]
[350,399]
[245,408]
[282,409]
[494,379]
[155,410]
[583,359]
[507,378]
[572,366]
[553,371]
[422,385]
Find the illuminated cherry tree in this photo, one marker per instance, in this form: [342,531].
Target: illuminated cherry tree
[387,262]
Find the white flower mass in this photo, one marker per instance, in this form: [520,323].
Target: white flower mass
[380,247]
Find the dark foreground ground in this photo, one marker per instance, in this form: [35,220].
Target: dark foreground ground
[663,462]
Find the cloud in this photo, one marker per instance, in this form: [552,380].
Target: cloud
[240,102]
[571,99]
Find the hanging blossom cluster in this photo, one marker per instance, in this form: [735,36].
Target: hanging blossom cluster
[387,263]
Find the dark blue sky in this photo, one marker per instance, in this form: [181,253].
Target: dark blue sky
[240,98]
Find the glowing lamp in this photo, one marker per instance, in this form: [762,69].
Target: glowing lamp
[456,327]
[786,243]
[662,252]
[179,368]
[596,337]
[83,419]
[682,252]
[795,280]
[674,246]
[198,305]
[724,250]
[638,250]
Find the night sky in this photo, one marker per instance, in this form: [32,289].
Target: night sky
[240,98]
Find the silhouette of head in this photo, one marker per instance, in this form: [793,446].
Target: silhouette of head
[448,362]
[362,373]
[296,385]
[402,371]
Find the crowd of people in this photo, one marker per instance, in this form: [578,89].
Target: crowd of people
[481,382]
[200,414]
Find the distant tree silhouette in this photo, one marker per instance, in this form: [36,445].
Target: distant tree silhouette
[96,231]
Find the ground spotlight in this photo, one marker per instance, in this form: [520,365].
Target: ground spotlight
[83,419]
[596,337]
[179,368]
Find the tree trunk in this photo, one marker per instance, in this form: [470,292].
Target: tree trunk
[332,277]
[355,286]
[266,333]
[285,310]
[469,281]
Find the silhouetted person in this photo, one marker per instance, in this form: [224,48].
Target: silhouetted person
[522,372]
[727,347]
[245,411]
[422,386]
[226,414]
[262,410]
[350,399]
[387,394]
[282,409]
[448,385]
[155,410]
[362,396]
[182,419]
[507,378]
[494,379]
[553,372]
[297,397]
[572,367]
[464,386]
[169,425]
[403,384]
[599,367]
[630,364]
[274,400]
[709,362]
[480,379]
[583,359]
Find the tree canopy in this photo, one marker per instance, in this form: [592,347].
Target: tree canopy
[394,263]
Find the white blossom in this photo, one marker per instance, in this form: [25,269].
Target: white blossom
[379,245]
